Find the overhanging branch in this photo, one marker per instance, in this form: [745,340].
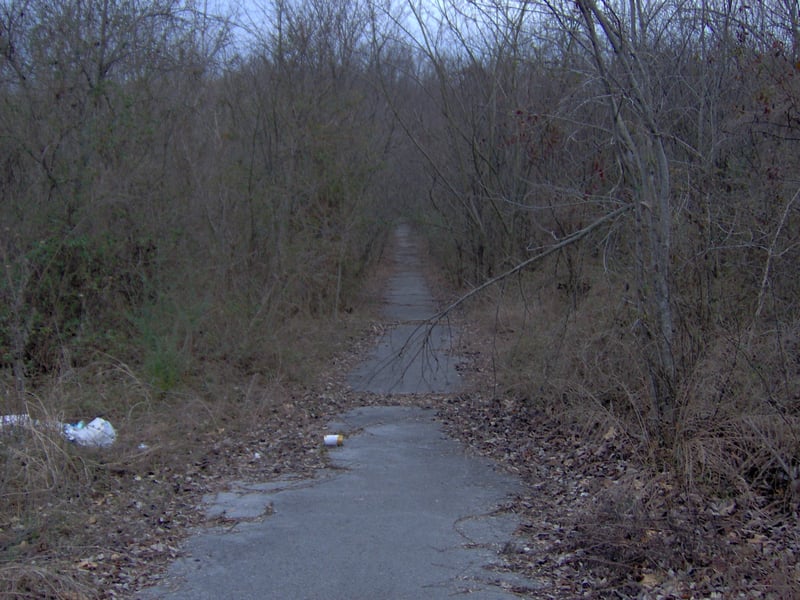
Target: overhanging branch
[563,243]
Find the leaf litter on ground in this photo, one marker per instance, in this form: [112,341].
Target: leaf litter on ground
[597,521]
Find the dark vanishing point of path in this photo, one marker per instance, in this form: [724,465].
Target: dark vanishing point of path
[413,357]
[404,513]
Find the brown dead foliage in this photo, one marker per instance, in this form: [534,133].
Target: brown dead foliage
[81,523]
[559,397]
[600,520]
[118,516]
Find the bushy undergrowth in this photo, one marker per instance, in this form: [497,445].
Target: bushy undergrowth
[74,519]
[68,294]
[736,430]
[739,425]
[709,510]
[177,360]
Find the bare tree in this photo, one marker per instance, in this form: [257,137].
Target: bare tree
[617,46]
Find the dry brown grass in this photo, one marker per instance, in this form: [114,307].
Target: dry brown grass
[716,504]
[571,361]
[92,523]
[738,405]
[739,425]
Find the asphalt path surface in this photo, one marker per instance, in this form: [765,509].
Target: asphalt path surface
[404,512]
[413,356]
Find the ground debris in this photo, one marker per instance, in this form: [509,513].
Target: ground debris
[598,523]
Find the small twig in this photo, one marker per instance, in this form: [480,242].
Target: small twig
[771,254]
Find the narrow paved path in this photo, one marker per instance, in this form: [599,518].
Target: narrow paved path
[404,512]
[413,357]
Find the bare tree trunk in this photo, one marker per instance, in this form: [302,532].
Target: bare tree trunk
[641,151]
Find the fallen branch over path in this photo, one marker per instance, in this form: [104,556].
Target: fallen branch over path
[563,243]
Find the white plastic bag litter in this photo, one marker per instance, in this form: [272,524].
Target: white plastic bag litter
[98,432]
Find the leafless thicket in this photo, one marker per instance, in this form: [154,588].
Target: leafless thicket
[187,202]
[173,189]
[180,190]
[670,131]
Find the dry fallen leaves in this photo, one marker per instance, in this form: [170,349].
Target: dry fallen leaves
[596,521]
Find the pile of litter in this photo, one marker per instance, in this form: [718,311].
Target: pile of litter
[97,433]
